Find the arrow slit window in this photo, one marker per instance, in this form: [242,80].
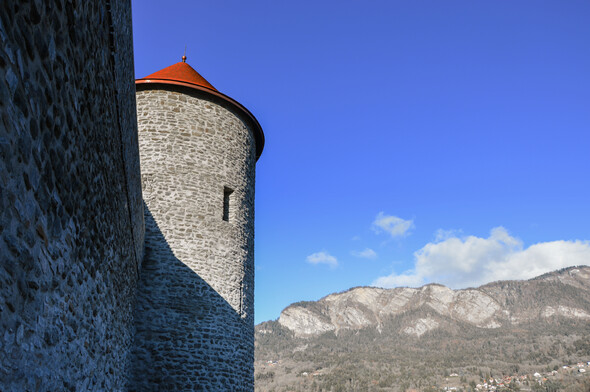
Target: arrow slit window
[227,202]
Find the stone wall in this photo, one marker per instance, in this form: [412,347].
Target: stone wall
[194,314]
[71,218]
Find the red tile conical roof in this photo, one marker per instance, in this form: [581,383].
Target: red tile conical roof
[183,75]
[179,72]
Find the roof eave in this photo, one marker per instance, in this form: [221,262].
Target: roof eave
[257,129]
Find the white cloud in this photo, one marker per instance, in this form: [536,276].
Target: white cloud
[322,258]
[393,225]
[442,234]
[472,261]
[368,253]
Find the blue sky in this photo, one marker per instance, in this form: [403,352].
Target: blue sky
[407,142]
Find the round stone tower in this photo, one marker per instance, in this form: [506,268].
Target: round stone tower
[195,308]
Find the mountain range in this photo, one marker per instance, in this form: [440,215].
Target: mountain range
[395,339]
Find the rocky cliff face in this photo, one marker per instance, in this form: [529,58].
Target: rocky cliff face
[564,293]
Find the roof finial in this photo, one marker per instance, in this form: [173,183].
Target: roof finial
[184,55]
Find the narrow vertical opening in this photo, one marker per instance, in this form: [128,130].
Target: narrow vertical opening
[226,202]
[242,297]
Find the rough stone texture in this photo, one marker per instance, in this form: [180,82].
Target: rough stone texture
[194,315]
[71,217]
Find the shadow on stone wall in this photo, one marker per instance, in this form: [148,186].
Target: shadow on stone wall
[187,336]
[71,217]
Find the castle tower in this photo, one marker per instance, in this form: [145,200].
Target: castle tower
[195,307]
